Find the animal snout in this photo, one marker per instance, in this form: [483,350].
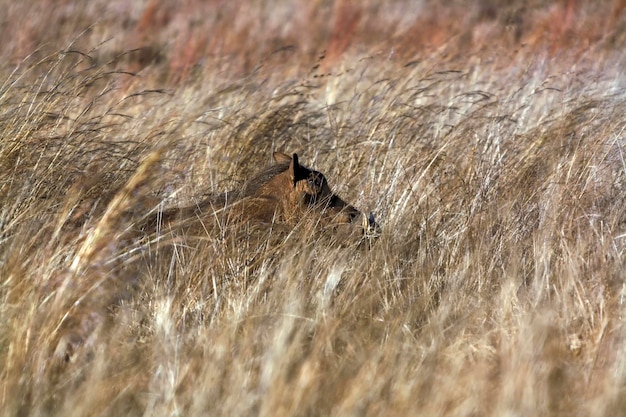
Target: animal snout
[370,227]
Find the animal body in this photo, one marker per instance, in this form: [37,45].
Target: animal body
[286,192]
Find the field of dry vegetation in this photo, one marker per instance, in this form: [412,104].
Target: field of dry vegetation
[487,137]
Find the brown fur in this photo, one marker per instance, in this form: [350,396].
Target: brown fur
[285,192]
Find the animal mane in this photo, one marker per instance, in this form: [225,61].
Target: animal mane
[252,185]
[249,189]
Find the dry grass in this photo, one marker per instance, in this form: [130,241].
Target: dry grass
[491,151]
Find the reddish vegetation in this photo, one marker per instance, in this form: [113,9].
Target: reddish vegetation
[239,36]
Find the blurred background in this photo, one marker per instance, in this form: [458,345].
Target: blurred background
[176,40]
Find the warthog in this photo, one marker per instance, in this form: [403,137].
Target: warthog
[285,192]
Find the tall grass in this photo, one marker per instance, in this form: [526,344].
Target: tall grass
[497,175]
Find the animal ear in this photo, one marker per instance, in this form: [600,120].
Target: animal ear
[294,167]
[280,157]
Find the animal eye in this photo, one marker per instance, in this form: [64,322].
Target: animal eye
[315,182]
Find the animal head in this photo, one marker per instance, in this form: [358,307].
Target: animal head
[311,186]
[307,190]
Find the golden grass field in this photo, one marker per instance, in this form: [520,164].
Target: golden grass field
[487,138]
